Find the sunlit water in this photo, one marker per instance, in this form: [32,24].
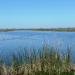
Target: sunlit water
[14,42]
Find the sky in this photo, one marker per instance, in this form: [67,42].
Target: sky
[37,13]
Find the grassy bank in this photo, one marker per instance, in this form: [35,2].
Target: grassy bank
[42,29]
[47,61]
[7,30]
[55,29]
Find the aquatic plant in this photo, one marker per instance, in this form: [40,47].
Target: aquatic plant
[46,61]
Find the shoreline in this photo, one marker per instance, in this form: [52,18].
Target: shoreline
[41,29]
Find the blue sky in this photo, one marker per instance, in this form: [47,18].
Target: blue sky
[37,13]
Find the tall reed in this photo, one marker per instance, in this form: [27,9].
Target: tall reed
[44,61]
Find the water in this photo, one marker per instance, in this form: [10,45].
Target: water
[12,42]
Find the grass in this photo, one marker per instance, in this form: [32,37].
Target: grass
[47,61]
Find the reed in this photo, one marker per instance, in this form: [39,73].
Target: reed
[46,61]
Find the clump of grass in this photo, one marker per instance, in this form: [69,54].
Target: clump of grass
[47,61]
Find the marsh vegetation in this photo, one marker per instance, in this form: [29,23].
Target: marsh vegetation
[41,29]
[46,61]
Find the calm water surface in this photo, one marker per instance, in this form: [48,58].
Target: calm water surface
[12,42]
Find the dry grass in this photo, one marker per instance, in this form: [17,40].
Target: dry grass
[48,61]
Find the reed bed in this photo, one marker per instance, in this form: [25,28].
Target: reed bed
[46,61]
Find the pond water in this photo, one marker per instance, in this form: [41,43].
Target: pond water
[12,42]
